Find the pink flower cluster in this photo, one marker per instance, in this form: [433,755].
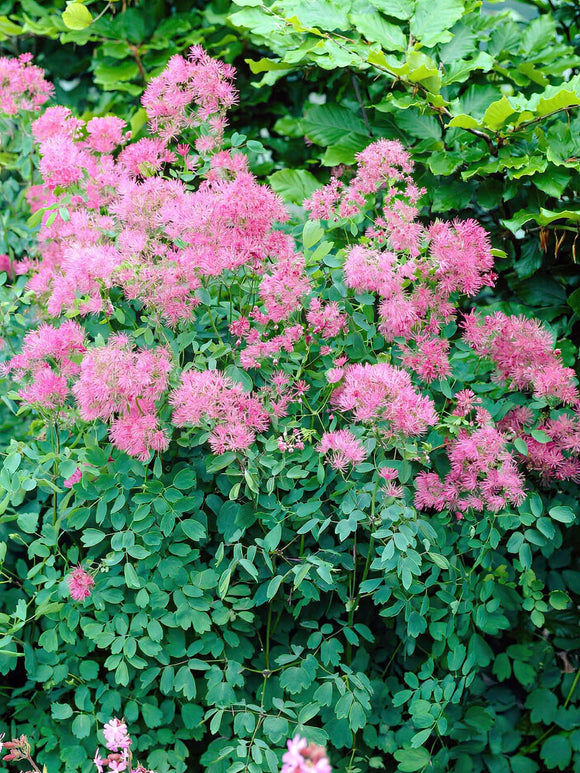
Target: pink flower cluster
[303,757]
[383,394]
[483,476]
[118,742]
[120,384]
[49,359]
[414,270]
[80,584]
[344,447]
[22,85]
[522,352]
[556,455]
[200,80]
[211,397]
[159,241]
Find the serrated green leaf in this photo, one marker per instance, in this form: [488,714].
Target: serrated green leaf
[293,185]
[378,30]
[433,19]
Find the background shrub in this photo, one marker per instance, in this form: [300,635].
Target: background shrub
[236,595]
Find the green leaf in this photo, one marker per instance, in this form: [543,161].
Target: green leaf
[398,9]
[312,233]
[502,667]
[561,98]
[193,529]
[92,537]
[61,711]
[556,752]
[376,29]
[562,514]
[416,624]
[82,726]
[574,301]
[152,715]
[464,121]
[76,16]
[273,586]
[422,69]
[543,704]
[434,18]
[540,436]
[497,113]
[131,577]
[266,65]
[333,124]
[293,185]
[28,522]
[559,599]
[412,759]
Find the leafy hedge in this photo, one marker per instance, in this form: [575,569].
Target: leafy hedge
[244,594]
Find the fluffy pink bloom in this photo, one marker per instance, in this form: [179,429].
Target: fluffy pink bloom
[522,351]
[74,478]
[334,375]
[116,735]
[322,203]
[466,402]
[46,390]
[200,81]
[483,476]
[370,270]
[117,379]
[558,458]
[429,359]
[80,584]
[145,156]
[47,360]
[282,289]
[210,396]
[344,449]
[22,85]
[383,393]
[325,319]
[105,134]
[462,256]
[303,757]
[57,121]
[138,434]
[260,348]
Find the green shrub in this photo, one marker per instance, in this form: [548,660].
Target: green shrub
[296,483]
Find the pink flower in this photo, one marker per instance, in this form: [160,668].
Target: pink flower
[56,121]
[345,449]
[210,396]
[334,375]
[303,757]
[99,761]
[199,80]
[483,475]
[22,85]
[522,351]
[80,584]
[429,359]
[384,394]
[105,134]
[326,319]
[116,735]
[74,478]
